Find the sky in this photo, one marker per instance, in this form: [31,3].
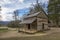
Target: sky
[9,6]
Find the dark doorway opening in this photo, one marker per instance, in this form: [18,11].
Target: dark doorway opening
[28,26]
[43,26]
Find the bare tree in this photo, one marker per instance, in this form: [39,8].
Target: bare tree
[16,14]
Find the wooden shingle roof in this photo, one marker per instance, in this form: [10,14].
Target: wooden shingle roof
[32,15]
[28,21]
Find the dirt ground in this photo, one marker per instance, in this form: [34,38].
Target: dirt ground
[16,34]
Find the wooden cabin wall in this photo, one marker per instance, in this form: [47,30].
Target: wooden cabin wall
[42,19]
[34,25]
[40,22]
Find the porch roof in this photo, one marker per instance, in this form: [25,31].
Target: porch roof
[28,21]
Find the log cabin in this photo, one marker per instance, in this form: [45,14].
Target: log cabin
[35,22]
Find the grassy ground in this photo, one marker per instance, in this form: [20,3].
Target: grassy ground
[53,36]
[3,30]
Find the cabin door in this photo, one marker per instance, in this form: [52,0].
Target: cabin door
[43,26]
[28,26]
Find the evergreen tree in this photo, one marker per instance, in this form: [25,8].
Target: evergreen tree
[54,11]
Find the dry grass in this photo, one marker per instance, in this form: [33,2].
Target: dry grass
[53,36]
